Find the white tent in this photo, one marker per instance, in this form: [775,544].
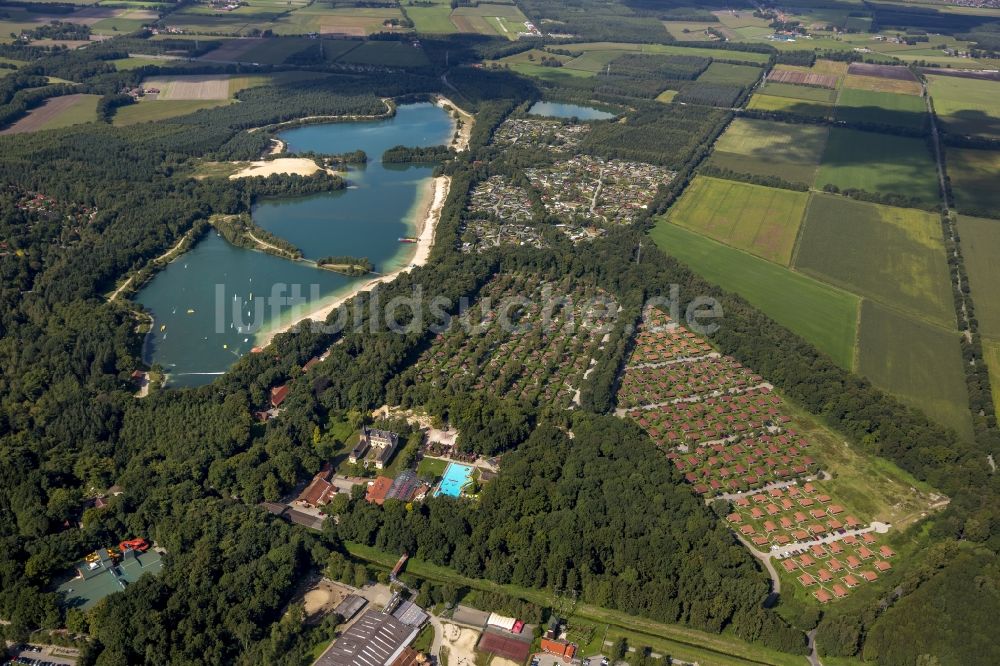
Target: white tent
[506,623]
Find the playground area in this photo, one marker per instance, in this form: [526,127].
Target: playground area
[83,591]
[460,643]
[322,598]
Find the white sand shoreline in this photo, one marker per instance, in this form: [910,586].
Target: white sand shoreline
[426,229]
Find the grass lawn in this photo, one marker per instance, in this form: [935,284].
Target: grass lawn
[973,176]
[881,163]
[865,106]
[918,362]
[680,641]
[981,249]
[894,255]
[242,82]
[766,148]
[553,74]
[991,353]
[761,220]
[723,72]
[823,315]
[811,109]
[431,467]
[966,106]
[151,110]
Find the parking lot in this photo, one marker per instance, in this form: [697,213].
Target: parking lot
[44,655]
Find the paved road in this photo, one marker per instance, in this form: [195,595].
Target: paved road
[765,559]
[813,655]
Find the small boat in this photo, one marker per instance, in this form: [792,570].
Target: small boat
[246,339]
[225,346]
[405,239]
[163,328]
[190,311]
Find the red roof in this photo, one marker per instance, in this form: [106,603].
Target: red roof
[278,395]
[379,489]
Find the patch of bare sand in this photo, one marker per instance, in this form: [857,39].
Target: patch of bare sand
[301,166]
[461,644]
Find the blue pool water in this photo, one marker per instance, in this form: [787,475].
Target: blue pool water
[455,477]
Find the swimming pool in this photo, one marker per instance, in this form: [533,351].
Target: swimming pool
[455,477]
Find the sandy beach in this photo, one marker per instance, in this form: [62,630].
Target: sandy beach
[303,166]
[465,132]
[426,228]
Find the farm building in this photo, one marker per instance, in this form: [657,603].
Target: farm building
[558,647]
[320,490]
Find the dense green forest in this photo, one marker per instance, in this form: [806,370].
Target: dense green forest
[195,463]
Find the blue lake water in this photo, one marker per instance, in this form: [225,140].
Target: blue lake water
[560,110]
[209,304]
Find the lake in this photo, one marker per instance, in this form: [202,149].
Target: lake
[210,304]
[560,110]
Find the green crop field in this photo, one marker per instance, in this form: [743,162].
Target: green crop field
[882,163]
[894,255]
[83,110]
[669,49]
[275,51]
[768,148]
[966,106]
[973,176]
[865,106]
[690,31]
[810,109]
[804,93]
[761,220]
[823,315]
[150,110]
[433,19]
[723,72]
[390,54]
[981,250]
[917,361]
[991,353]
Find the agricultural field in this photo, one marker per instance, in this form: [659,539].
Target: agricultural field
[865,106]
[761,220]
[431,19]
[981,250]
[894,255]
[973,175]
[811,109]
[727,73]
[57,112]
[882,84]
[342,21]
[824,315]
[762,147]
[490,19]
[541,360]
[135,62]
[991,353]
[189,87]
[154,110]
[966,106]
[242,82]
[270,51]
[695,31]
[793,91]
[389,54]
[667,96]
[882,163]
[917,361]
[618,48]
